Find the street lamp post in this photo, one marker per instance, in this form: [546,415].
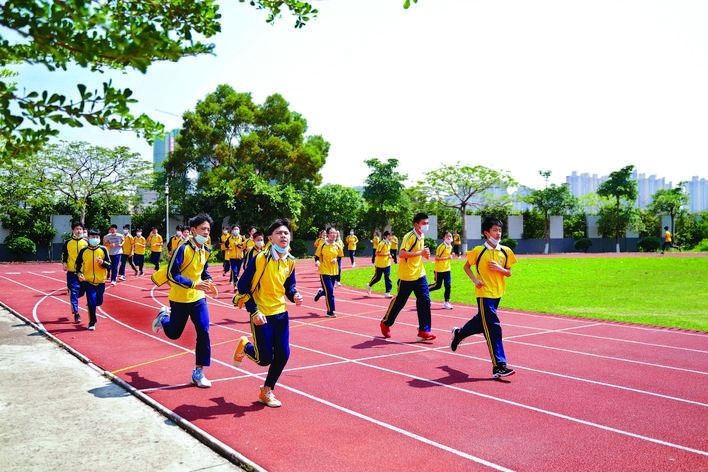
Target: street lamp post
[167,210]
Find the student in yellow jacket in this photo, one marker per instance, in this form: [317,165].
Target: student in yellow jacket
[394,248]
[382,265]
[69,253]
[154,240]
[234,248]
[262,289]
[225,234]
[352,241]
[127,256]
[188,276]
[326,261]
[92,266]
[443,254]
[139,245]
[492,263]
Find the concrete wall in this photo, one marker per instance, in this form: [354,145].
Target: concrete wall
[515,227]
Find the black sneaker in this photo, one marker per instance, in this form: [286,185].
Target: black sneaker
[502,371]
[77,318]
[320,293]
[454,342]
[331,314]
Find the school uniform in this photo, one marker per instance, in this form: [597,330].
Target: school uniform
[352,241]
[382,265]
[222,246]
[394,248]
[234,247]
[269,278]
[94,274]
[114,243]
[411,279]
[328,272]
[127,256]
[155,242]
[442,270]
[69,253]
[139,245]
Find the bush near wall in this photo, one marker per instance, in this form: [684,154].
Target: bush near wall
[21,247]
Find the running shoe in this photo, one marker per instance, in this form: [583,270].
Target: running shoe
[267,397]
[240,351]
[454,342]
[425,336]
[502,371]
[385,330]
[199,379]
[157,322]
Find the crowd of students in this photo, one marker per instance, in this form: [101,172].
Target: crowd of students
[261,270]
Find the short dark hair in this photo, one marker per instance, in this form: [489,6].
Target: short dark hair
[257,233]
[138,229]
[330,228]
[277,224]
[199,219]
[489,222]
[93,231]
[113,226]
[126,226]
[178,228]
[420,216]
[153,229]
[386,233]
[236,226]
[666,228]
[75,224]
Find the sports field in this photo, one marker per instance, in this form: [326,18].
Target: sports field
[587,394]
[669,290]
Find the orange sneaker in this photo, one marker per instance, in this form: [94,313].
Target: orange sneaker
[240,351]
[385,330]
[425,336]
[267,397]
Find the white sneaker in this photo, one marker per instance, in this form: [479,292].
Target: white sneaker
[267,397]
[368,290]
[339,284]
[92,327]
[199,379]
[353,265]
[121,277]
[388,295]
[157,322]
[113,284]
[447,306]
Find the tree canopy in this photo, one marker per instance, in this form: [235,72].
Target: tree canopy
[552,200]
[384,194]
[670,202]
[616,219]
[99,35]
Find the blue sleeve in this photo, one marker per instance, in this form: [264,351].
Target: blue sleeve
[290,288]
[173,271]
[79,260]
[205,272]
[107,259]
[244,283]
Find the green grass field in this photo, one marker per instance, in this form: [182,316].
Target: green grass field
[654,291]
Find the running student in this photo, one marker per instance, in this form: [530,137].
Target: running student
[257,239]
[114,242]
[456,244]
[339,243]
[234,247]
[91,267]
[127,256]
[139,243]
[492,263]
[326,261]
[443,254]
[352,241]
[267,280]
[154,240]
[225,234]
[411,278]
[375,240]
[188,276]
[69,253]
[175,241]
[382,265]
[394,248]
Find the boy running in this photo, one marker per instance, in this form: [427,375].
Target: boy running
[443,254]
[492,262]
[267,280]
[154,240]
[352,241]
[139,243]
[326,261]
[382,265]
[91,266]
[69,253]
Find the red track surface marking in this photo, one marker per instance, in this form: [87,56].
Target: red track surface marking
[588,394]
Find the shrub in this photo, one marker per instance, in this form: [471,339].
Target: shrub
[510,243]
[583,244]
[702,246]
[298,248]
[20,247]
[649,244]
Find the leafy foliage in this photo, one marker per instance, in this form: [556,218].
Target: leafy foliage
[335,205]
[384,193]
[21,246]
[616,219]
[99,35]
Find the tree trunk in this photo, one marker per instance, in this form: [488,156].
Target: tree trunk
[547,234]
[463,210]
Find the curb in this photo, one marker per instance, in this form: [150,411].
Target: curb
[202,436]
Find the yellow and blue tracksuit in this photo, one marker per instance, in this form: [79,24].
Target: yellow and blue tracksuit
[382,265]
[127,256]
[139,243]
[187,267]
[69,253]
[489,295]
[411,278]
[352,241]
[155,242]
[326,253]
[94,283]
[234,248]
[394,248]
[442,270]
[269,278]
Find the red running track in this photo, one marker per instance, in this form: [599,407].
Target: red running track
[588,395]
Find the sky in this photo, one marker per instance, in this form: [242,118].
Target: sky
[513,85]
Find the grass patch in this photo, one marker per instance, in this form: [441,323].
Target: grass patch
[670,292]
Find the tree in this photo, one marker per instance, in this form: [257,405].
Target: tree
[462,187]
[384,192]
[83,173]
[336,205]
[623,190]
[669,201]
[552,200]
[99,35]
[252,160]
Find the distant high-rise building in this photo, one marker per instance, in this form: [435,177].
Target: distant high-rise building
[646,186]
[162,147]
[697,194]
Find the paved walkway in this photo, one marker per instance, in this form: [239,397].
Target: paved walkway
[58,413]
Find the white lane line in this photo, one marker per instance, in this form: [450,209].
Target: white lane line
[607,338]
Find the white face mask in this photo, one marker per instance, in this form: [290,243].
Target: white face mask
[425,228]
[259,243]
[448,241]
[200,239]
[139,233]
[126,231]
[235,232]
[94,241]
[492,242]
